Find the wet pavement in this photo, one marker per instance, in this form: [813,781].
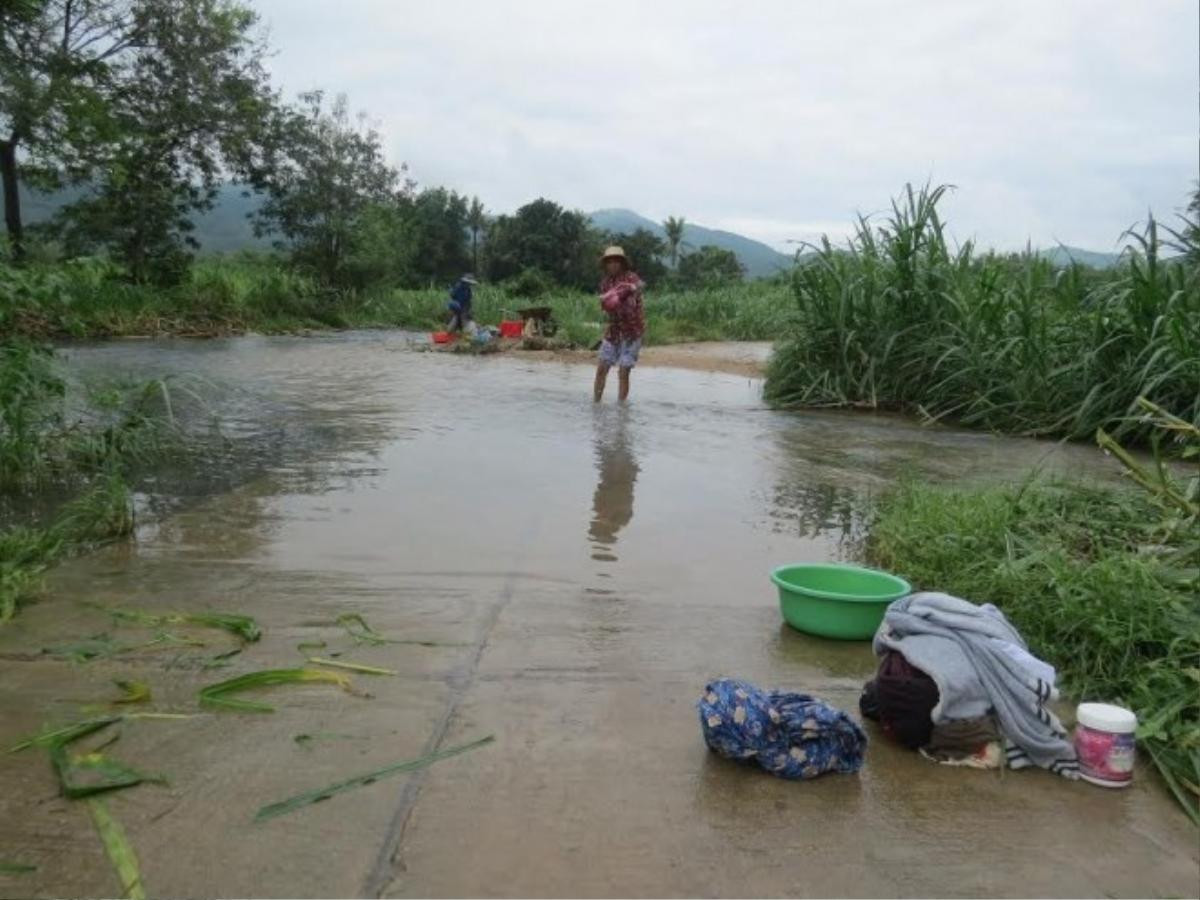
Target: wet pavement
[574,576]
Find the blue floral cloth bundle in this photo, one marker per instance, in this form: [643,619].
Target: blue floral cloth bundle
[789,735]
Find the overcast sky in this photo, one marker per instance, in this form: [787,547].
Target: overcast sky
[1057,120]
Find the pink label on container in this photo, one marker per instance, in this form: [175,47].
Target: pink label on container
[1105,755]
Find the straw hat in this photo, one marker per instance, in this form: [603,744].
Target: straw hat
[614,252]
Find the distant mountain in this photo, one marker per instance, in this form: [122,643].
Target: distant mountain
[1064,256]
[226,228]
[759,259]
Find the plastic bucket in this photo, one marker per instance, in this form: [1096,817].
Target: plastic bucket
[442,337]
[835,600]
[512,329]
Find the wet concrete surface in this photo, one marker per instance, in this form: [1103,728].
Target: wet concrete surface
[579,574]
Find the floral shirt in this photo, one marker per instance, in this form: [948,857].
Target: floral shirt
[627,321]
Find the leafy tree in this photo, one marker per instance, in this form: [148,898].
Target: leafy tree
[438,227]
[188,110]
[710,266]
[381,248]
[59,62]
[674,229]
[542,235]
[332,171]
[645,250]
[477,221]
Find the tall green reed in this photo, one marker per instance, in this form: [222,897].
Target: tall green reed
[900,319]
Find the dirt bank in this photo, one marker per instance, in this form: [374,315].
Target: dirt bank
[747,358]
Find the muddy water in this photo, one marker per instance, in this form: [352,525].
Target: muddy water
[572,575]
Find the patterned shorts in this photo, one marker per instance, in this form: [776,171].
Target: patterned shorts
[623,354]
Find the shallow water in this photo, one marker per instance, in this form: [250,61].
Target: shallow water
[367,458]
[576,574]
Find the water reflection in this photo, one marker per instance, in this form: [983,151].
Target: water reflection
[616,465]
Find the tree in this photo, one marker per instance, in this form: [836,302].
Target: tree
[332,171]
[188,111]
[674,229]
[439,220]
[59,61]
[542,235]
[477,222]
[645,250]
[710,266]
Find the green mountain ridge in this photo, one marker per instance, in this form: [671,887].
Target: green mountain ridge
[227,228]
[760,260]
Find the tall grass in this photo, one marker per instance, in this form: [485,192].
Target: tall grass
[54,448]
[90,298]
[902,320]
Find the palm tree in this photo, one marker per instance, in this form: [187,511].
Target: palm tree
[674,229]
[476,221]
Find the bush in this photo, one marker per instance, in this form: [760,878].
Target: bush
[529,285]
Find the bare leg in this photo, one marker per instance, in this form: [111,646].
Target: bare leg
[623,376]
[601,378]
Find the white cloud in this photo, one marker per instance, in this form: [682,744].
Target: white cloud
[1057,121]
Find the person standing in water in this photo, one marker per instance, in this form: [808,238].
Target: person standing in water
[621,298]
[460,303]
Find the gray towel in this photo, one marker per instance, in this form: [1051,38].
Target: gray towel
[981,664]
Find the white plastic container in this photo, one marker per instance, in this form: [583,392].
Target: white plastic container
[1105,744]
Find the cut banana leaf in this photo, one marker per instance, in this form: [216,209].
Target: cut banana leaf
[219,694]
[307,799]
[119,850]
[352,667]
[101,646]
[64,734]
[132,692]
[243,627]
[93,773]
[356,626]
[12,868]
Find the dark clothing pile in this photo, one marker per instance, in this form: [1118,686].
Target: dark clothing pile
[957,681]
[901,698]
[790,735]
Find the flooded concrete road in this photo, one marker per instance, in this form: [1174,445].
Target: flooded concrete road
[569,578]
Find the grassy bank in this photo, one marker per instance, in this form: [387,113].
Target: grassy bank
[1104,584]
[67,453]
[902,320]
[90,298]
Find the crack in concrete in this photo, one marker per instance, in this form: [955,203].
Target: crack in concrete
[387,863]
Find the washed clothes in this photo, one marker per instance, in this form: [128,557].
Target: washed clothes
[901,698]
[790,735]
[981,665]
[627,320]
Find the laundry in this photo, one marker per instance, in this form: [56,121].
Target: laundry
[791,735]
[980,666]
[901,698]
[975,743]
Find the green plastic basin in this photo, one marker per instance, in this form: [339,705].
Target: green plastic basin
[836,601]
